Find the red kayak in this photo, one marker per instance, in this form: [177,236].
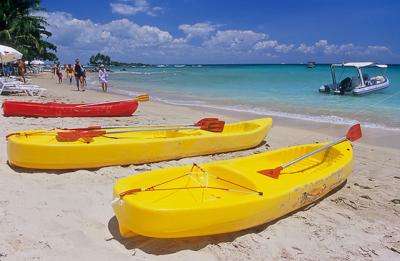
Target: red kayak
[54,109]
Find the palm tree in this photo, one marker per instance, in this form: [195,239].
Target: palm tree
[24,31]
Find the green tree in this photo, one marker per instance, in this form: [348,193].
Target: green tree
[100,59]
[25,32]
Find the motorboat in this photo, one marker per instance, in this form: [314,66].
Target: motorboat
[311,64]
[360,82]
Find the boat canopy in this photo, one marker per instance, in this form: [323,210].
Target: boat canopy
[359,64]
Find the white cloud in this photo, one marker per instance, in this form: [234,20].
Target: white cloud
[321,43]
[305,48]
[125,40]
[235,40]
[284,48]
[198,29]
[274,45]
[132,7]
[348,49]
[122,37]
[378,48]
[265,44]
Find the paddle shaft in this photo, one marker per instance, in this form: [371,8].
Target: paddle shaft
[102,103]
[153,129]
[314,152]
[150,127]
[97,127]
[143,97]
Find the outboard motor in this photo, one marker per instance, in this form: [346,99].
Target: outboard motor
[324,88]
[344,86]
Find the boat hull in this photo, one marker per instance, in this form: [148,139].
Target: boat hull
[198,212]
[372,88]
[40,150]
[53,109]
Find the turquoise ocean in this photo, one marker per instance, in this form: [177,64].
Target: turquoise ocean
[276,90]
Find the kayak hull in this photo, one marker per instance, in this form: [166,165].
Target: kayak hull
[254,199]
[37,150]
[54,109]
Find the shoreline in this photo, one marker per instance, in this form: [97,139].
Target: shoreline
[68,216]
[379,137]
[276,99]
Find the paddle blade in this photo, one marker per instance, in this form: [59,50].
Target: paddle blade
[94,127]
[131,191]
[273,173]
[76,135]
[215,126]
[354,133]
[143,98]
[205,121]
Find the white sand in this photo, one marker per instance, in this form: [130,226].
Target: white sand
[67,215]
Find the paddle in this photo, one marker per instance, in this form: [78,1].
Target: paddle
[98,127]
[204,121]
[353,134]
[74,135]
[139,98]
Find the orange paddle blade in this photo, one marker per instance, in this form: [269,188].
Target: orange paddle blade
[213,126]
[273,173]
[76,135]
[354,133]
[205,121]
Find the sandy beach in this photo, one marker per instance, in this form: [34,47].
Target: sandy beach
[67,215]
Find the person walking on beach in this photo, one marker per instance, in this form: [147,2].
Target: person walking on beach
[103,78]
[84,83]
[70,73]
[78,74]
[22,69]
[53,70]
[59,73]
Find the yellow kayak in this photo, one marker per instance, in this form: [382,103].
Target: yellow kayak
[227,196]
[40,149]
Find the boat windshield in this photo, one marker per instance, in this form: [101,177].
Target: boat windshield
[373,71]
[347,74]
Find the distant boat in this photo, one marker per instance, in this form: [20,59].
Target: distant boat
[358,84]
[179,65]
[310,64]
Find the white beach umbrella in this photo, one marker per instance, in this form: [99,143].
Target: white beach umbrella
[37,62]
[8,54]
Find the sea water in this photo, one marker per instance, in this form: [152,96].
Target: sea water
[274,90]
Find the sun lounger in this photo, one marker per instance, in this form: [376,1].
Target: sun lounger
[11,87]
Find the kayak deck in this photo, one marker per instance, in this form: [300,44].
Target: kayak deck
[230,195]
[54,109]
[41,149]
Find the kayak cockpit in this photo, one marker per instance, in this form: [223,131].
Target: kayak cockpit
[187,188]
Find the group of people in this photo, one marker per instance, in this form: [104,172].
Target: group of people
[79,73]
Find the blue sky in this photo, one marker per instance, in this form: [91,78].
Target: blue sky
[226,31]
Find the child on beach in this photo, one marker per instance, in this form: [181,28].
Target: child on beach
[103,78]
[70,73]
